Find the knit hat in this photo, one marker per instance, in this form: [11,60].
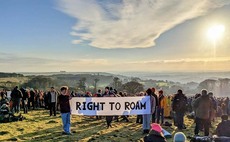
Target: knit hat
[156,127]
[179,137]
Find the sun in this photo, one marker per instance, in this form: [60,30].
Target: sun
[215,32]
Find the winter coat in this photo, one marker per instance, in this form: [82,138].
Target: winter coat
[156,98]
[64,103]
[202,107]
[16,94]
[223,128]
[179,103]
[162,102]
[153,104]
[49,97]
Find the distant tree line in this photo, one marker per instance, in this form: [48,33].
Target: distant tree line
[4,75]
[40,82]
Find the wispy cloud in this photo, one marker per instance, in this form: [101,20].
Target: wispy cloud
[15,63]
[187,60]
[130,23]
[199,64]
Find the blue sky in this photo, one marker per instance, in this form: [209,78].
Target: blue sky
[93,35]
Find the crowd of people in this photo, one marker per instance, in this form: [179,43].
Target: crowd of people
[204,107]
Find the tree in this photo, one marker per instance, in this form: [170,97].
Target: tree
[136,79]
[82,83]
[96,80]
[40,82]
[133,87]
[115,81]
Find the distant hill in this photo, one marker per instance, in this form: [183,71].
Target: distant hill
[218,83]
[4,75]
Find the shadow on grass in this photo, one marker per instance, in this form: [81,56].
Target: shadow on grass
[87,128]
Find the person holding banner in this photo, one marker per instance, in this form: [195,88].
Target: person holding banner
[157,104]
[147,117]
[108,93]
[65,109]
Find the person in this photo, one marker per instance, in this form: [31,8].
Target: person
[5,113]
[32,99]
[4,100]
[124,117]
[99,94]
[202,106]
[16,96]
[65,109]
[161,107]
[24,100]
[167,111]
[179,107]
[179,137]
[41,99]
[3,92]
[109,119]
[214,107]
[147,117]
[157,104]
[37,97]
[223,127]
[139,117]
[155,134]
[46,101]
[52,100]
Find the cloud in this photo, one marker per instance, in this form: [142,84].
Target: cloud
[187,60]
[130,23]
[202,64]
[14,63]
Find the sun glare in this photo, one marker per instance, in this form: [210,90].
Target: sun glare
[215,32]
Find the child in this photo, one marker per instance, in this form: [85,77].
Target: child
[155,134]
[65,109]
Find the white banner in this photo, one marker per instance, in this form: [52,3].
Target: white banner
[92,106]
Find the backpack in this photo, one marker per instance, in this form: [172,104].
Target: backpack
[180,103]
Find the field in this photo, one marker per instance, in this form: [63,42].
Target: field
[39,126]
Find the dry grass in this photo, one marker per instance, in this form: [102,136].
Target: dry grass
[14,79]
[39,126]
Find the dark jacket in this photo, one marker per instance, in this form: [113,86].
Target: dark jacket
[202,107]
[25,94]
[16,94]
[108,94]
[99,95]
[156,99]
[223,129]
[49,97]
[154,136]
[64,103]
[179,103]
[32,96]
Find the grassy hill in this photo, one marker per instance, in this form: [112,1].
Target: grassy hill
[39,126]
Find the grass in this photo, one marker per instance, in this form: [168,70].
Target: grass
[39,126]
[162,84]
[14,79]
